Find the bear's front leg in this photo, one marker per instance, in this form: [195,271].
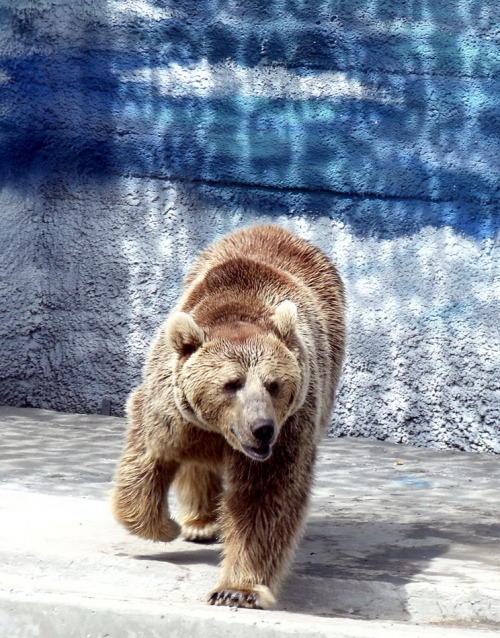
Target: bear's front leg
[262,518]
[142,482]
[140,497]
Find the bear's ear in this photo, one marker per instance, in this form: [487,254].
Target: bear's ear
[285,320]
[183,333]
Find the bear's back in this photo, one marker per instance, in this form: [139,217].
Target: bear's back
[246,273]
[281,250]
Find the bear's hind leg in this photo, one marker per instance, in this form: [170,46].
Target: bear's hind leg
[198,489]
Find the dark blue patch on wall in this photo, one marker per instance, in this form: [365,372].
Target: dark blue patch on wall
[421,128]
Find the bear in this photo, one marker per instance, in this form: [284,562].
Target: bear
[237,391]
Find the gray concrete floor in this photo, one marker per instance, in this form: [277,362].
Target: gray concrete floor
[399,539]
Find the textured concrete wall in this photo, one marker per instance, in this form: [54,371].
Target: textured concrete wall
[133,133]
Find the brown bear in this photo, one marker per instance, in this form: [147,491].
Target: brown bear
[237,391]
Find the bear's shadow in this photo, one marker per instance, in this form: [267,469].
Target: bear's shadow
[209,555]
[360,569]
[357,569]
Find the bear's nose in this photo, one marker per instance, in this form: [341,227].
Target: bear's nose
[263,430]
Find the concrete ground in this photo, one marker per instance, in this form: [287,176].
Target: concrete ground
[400,541]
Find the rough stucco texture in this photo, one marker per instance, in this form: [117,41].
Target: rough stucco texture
[133,133]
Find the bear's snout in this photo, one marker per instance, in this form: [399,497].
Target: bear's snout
[264,435]
[259,439]
[263,430]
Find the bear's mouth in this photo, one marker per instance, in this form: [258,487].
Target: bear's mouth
[261,453]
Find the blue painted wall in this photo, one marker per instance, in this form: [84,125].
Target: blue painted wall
[349,121]
[426,126]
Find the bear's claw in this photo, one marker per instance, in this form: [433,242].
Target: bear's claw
[235,598]
[253,597]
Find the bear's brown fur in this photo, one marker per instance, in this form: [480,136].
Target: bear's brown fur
[237,391]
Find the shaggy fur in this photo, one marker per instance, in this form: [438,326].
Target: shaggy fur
[237,391]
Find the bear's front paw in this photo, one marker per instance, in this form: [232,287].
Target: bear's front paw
[200,530]
[166,531]
[257,597]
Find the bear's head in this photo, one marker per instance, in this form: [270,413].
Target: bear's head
[240,379]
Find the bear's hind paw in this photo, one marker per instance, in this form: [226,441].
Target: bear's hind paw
[200,531]
[258,597]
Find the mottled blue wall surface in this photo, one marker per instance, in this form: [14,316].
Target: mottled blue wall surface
[367,99]
[132,133]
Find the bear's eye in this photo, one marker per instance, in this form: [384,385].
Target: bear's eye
[273,387]
[233,386]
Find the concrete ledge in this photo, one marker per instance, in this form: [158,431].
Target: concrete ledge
[61,617]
